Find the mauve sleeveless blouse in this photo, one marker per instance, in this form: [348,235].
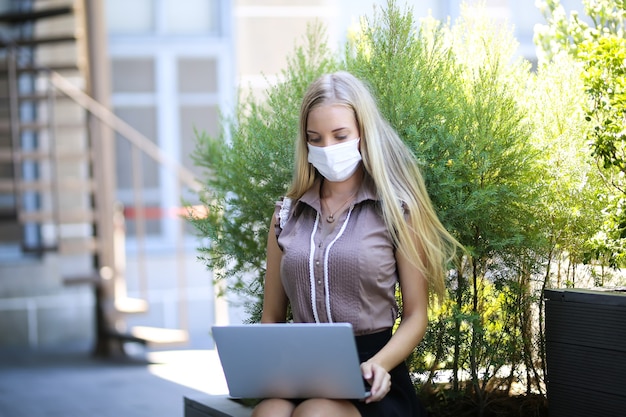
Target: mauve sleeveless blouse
[348,276]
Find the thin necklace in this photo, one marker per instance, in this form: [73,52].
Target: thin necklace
[331,217]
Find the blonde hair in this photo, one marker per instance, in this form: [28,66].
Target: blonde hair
[394,171]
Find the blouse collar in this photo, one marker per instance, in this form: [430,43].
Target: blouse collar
[367,191]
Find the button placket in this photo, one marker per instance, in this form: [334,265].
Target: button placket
[319,280]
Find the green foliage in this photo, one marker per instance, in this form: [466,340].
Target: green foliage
[564,33]
[605,78]
[600,47]
[493,157]
[413,75]
[570,209]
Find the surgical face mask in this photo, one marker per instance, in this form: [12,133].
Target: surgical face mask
[336,162]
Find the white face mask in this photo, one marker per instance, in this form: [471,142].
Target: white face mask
[336,162]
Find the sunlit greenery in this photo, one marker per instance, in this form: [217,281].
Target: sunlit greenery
[525,167]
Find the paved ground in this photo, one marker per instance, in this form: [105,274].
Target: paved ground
[73,384]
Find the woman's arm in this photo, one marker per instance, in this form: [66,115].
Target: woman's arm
[408,334]
[274,297]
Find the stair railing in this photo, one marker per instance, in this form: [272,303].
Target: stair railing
[140,143]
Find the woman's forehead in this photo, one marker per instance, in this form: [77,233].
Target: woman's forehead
[330,116]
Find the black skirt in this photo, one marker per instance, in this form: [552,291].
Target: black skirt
[401,400]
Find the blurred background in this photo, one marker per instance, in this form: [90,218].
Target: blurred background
[100,102]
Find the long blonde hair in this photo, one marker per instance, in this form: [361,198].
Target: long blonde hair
[394,171]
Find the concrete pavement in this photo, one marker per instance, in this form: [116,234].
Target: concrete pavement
[74,384]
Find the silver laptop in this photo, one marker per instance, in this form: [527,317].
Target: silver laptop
[291,360]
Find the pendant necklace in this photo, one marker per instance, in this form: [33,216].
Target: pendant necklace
[331,217]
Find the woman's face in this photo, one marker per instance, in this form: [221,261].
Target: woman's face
[330,124]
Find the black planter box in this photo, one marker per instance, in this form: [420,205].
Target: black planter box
[586,352]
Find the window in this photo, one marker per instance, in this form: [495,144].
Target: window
[197,17]
[132,75]
[130,17]
[197,75]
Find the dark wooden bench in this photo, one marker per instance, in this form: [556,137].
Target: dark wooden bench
[215,406]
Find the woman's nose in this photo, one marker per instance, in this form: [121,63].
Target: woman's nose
[327,141]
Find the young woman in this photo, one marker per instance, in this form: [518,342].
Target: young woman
[356,222]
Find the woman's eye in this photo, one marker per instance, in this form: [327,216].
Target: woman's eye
[313,140]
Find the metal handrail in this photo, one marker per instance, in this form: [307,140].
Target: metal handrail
[123,128]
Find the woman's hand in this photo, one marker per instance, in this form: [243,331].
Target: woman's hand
[378,378]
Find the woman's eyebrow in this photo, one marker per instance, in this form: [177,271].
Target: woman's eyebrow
[339,129]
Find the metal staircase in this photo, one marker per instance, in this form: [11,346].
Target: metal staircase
[32,183]
[55,184]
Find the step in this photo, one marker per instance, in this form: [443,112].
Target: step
[39,249]
[28,16]
[5,126]
[128,305]
[31,126]
[160,336]
[77,246]
[34,69]
[6,155]
[35,97]
[66,246]
[69,185]
[63,217]
[44,40]
[124,337]
[8,214]
[89,279]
